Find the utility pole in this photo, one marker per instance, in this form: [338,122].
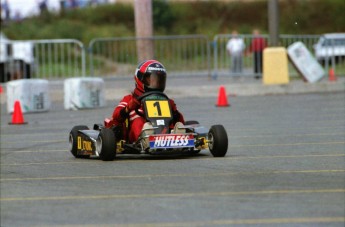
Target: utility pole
[273,21]
[144,29]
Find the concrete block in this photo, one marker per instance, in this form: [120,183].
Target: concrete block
[33,95]
[84,93]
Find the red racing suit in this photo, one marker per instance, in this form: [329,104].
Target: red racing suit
[135,121]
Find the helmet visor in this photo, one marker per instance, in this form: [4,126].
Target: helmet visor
[155,81]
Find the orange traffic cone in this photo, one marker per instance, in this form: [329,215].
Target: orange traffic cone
[222,98]
[331,75]
[17,116]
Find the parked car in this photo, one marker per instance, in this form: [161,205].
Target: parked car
[16,59]
[330,46]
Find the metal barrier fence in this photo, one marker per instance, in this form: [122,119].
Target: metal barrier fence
[59,58]
[181,55]
[49,59]
[222,60]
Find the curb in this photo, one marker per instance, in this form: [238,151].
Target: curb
[211,90]
[298,87]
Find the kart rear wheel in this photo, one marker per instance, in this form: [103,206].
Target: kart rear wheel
[73,144]
[106,144]
[217,141]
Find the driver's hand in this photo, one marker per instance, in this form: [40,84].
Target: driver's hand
[133,104]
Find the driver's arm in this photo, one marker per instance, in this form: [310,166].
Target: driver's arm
[126,105]
[177,116]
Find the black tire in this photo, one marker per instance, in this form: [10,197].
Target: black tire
[2,73]
[218,141]
[28,71]
[193,151]
[106,144]
[73,140]
[4,76]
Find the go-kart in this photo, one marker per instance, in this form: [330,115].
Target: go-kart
[156,136]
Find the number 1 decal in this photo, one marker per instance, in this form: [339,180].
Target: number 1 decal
[156,104]
[158,108]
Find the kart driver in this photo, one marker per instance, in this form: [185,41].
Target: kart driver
[150,75]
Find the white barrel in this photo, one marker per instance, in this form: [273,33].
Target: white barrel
[84,93]
[33,95]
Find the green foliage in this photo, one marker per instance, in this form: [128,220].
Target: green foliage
[162,14]
[104,14]
[180,18]
[82,24]
[212,18]
[312,17]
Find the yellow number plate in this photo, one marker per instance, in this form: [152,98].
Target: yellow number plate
[158,108]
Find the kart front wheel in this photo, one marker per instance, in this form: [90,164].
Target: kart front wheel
[217,141]
[106,145]
[73,143]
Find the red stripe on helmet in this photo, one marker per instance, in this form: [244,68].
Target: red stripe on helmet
[139,87]
[144,66]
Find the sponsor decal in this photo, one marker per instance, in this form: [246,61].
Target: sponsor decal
[160,122]
[95,98]
[39,101]
[84,145]
[156,69]
[171,141]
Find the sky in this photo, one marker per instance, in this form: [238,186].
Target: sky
[29,7]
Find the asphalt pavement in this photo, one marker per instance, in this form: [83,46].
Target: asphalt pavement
[285,164]
[203,86]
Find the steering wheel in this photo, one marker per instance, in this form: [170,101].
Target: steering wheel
[146,94]
[141,97]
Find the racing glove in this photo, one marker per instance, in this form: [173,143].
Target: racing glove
[132,104]
[177,116]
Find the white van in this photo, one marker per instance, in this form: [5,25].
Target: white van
[16,59]
[329,46]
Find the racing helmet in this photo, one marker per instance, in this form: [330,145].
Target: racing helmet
[150,75]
